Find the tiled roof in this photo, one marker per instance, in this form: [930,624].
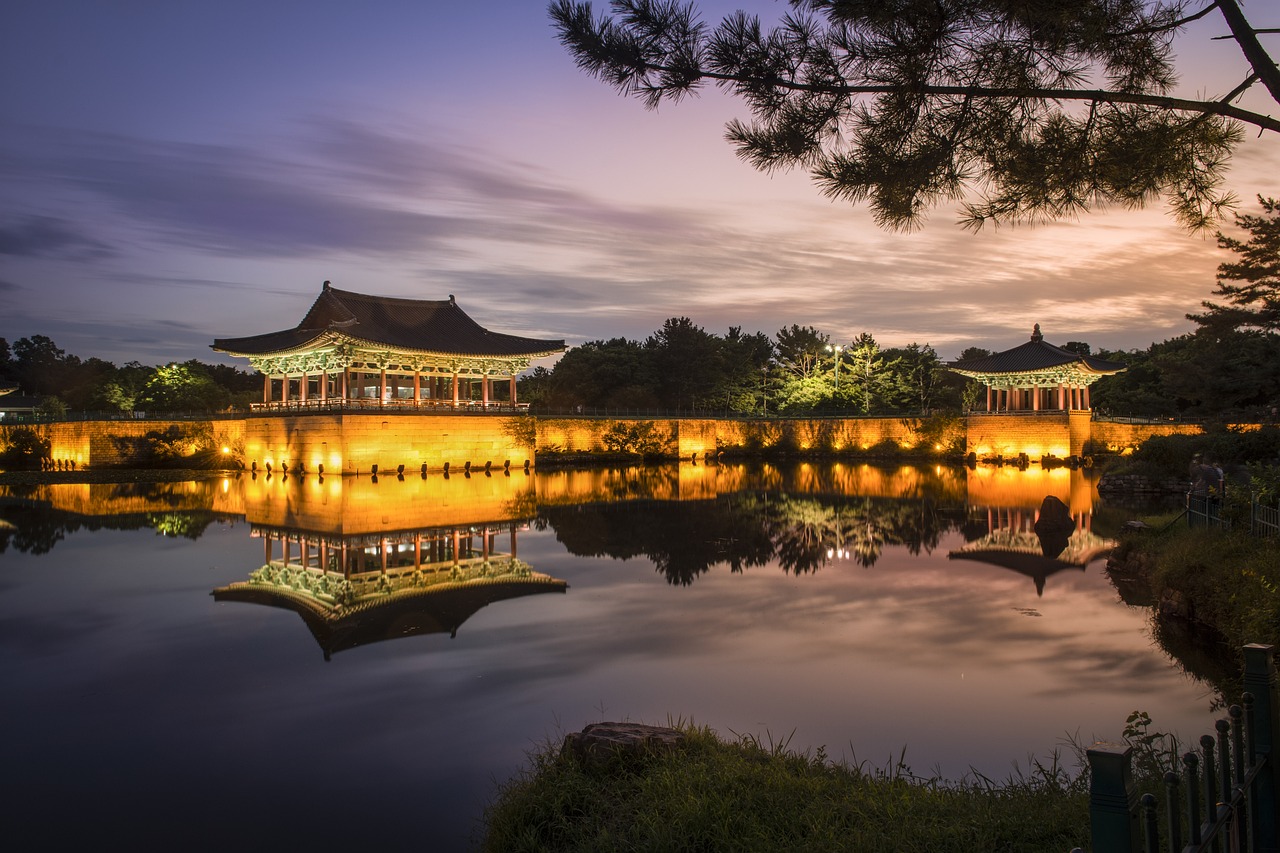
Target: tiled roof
[412,324]
[1034,355]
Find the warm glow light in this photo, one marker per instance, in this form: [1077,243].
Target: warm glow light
[226,450]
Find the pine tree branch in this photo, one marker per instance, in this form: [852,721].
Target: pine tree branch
[1253,50]
[1221,108]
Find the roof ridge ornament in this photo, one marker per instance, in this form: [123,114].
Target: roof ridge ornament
[326,286]
[1035,334]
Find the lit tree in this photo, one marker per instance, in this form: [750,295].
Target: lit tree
[1029,110]
[869,371]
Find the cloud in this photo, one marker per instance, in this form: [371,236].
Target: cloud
[6,286]
[49,237]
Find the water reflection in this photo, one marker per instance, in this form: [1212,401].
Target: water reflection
[686,518]
[809,614]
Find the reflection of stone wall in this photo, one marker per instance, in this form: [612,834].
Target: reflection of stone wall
[351,506]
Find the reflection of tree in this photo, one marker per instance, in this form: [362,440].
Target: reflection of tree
[801,532]
[684,539]
[810,531]
[35,529]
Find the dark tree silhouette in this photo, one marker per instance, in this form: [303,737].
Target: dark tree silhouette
[1028,111]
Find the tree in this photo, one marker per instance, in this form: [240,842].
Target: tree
[801,350]
[869,372]
[1255,302]
[183,387]
[690,370]
[918,376]
[1031,110]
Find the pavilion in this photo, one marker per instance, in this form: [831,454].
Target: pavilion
[1037,376]
[352,350]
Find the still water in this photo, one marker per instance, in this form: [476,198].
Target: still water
[346,663]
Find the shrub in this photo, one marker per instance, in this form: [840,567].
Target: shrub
[26,450]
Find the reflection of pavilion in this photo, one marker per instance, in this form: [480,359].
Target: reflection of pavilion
[354,583]
[1012,542]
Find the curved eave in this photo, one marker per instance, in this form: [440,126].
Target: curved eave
[329,337]
[1077,367]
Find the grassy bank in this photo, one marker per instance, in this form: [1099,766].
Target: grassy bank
[712,795]
[1227,580]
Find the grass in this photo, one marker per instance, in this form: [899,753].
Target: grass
[744,795]
[1230,579]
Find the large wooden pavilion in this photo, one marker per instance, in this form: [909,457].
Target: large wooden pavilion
[352,350]
[1037,376]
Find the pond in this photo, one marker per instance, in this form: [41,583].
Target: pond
[259,662]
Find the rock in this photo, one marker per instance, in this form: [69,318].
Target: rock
[1054,526]
[603,742]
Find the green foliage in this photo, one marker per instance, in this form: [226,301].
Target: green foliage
[1254,303]
[640,437]
[755,794]
[1230,578]
[50,409]
[25,450]
[183,387]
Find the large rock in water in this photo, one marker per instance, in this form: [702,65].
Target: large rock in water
[603,742]
[1054,526]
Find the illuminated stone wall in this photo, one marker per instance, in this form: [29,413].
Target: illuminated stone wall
[350,444]
[355,442]
[827,433]
[1123,438]
[119,443]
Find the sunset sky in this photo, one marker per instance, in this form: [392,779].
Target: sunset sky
[172,171]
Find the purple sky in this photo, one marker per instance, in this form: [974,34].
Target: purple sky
[172,171]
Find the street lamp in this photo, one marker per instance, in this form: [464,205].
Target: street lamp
[837,349]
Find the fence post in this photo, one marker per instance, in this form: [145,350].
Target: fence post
[1113,799]
[1260,680]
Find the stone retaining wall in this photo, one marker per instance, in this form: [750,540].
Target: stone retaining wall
[349,443]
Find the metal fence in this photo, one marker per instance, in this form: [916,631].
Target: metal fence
[1225,798]
[1206,511]
[1264,520]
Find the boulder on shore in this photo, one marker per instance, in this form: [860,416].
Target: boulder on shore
[603,742]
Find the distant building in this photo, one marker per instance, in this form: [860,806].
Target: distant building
[1036,377]
[352,350]
[12,404]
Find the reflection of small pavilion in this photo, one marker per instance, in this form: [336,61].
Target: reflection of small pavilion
[352,590]
[1013,543]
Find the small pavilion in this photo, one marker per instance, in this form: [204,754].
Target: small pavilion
[352,350]
[1037,376]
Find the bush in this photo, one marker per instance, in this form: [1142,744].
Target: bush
[26,450]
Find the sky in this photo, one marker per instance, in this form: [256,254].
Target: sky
[173,171]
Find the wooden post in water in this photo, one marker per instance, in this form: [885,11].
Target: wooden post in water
[1113,799]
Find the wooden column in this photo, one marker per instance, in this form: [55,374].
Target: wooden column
[455,390]
[513,390]
[417,386]
[302,387]
[1035,398]
[1087,403]
[988,398]
[382,389]
[266,387]
[484,390]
